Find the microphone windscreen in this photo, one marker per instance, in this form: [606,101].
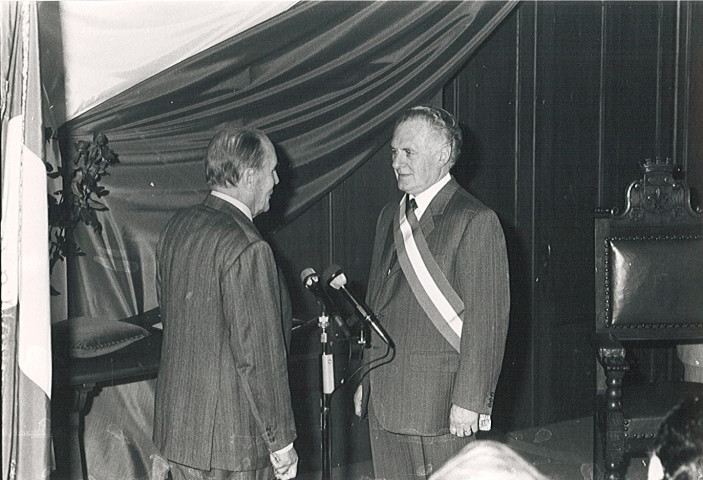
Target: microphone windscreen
[331,272]
[306,273]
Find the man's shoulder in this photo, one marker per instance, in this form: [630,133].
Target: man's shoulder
[464,200]
[392,206]
[463,208]
[218,225]
[200,216]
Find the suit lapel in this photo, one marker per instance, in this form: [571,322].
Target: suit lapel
[388,248]
[437,207]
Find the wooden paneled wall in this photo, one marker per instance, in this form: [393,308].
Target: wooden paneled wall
[560,105]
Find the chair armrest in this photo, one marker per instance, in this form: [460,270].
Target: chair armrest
[146,319]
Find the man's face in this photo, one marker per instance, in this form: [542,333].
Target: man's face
[417,159]
[265,179]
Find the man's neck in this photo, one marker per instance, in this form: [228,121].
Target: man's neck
[234,196]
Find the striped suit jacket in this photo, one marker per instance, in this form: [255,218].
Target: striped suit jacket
[222,394]
[413,394]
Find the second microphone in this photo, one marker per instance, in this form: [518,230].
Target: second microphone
[336,279]
[311,281]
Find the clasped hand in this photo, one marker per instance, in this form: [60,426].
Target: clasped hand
[285,464]
[462,422]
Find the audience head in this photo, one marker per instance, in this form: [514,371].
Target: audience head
[678,446]
[425,145]
[487,460]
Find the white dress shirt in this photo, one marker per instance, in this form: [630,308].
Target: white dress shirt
[241,206]
[424,198]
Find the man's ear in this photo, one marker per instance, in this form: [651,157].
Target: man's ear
[445,153]
[248,178]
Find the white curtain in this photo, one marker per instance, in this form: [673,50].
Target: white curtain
[99,49]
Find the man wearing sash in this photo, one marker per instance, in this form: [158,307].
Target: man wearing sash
[439,286]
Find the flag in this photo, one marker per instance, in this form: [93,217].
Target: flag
[26,322]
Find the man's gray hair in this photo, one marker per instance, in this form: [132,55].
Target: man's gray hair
[231,151]
[442,122]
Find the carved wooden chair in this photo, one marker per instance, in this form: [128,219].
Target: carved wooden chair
[649,293]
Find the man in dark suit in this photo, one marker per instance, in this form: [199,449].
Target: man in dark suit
[223,408]
[439,286]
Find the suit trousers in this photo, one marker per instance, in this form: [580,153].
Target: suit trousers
[410,457]
[183,472]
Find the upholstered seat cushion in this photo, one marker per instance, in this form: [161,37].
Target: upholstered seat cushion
[84,337]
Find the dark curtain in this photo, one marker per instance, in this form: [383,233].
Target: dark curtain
[324,80]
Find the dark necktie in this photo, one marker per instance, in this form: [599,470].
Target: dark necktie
[410,203]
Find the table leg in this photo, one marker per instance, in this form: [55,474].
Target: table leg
[69,409]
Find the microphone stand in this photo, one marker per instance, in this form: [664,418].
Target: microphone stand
[327,368]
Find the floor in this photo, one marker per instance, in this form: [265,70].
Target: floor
[561,451]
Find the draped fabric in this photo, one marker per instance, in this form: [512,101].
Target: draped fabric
[26,342]
[324,80]
[127,42]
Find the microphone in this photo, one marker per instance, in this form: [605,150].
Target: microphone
[311,281]
[337,280]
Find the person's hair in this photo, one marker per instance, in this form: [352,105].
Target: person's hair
[487,460]
[441,122]
[231,151]
[679,441]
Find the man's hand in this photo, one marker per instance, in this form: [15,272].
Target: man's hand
[357,400]
[462,422]
[285,464]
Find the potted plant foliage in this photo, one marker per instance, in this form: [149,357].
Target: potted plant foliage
[79,199]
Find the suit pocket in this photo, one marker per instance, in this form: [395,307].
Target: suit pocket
[435,362]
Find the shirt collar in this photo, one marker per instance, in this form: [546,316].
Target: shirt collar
[424,198]
[241,206]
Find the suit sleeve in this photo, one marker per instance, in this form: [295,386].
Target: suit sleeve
[374,272]
[483,283]
[286,312]
[252,307]
[157,261]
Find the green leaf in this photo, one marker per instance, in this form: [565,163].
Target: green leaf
[77,202]
[110,156]
[82,146]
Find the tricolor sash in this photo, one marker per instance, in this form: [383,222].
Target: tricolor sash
[431,288]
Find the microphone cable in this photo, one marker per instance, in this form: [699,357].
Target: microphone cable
[380,362]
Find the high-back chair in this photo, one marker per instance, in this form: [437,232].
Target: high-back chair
[648,293]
